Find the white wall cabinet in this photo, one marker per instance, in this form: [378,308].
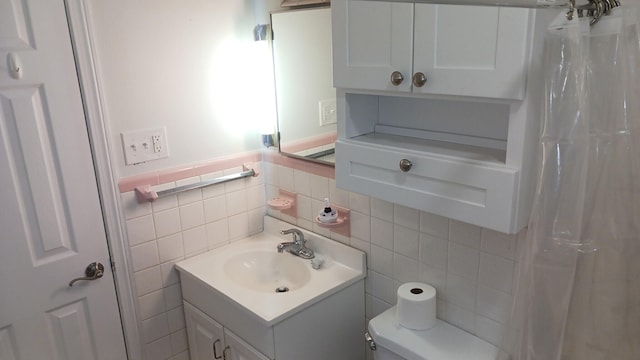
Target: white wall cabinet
[209,340]
[469,133]
[430,49]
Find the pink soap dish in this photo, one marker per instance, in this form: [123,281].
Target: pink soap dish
[279,203]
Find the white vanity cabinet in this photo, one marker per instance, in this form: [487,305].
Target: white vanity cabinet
[209,340]
[463,144]
[430,49]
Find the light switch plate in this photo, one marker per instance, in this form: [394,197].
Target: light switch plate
[144,145]
[327,109]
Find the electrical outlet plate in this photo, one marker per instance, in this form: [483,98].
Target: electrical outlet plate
[327,110]
[144,145]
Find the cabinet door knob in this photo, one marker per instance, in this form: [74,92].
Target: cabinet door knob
[419,79]
[405,165]
[396,78]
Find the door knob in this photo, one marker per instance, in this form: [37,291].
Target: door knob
[405,165]
[93,271]
[419,79]
[396,78]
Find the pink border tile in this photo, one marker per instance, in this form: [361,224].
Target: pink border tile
[273,156]
[309,143]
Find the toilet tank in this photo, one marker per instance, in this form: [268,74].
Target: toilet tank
[442,342]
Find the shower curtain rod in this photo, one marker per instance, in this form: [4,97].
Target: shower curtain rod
[592,8]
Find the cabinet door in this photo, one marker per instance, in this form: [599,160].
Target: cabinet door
[206,336]
[471,50]
[238,349]
[371,40]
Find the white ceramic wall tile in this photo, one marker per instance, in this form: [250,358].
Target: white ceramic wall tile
[302,183]
[140,230]
[434,277]
[151,305]
[461,292]
[169,273]
[433,251]
[166,202]
[191,215]
[360,225]
[493,304]
[406,241]
[382,209]
[382,287]
[338,196]
[362,245]
[235,185]
[131,207]
[154,328]
[381,260]
[167,222]
[236,202]
[215,208]
[271,173]
[500,244]
[175,317]
[238,226]
[285,178]
[179,341]
[305,224]
[465,234]
[213,190]
[159,349]
[195,240]
[170,247]
[460,317]
[382,233]
[463,261]
[496,272]
[256,220]
[190,196]
[172,296]
[256,197]
[217,233]
[304,206]
[434,225]
[406,217]
[148,280]
[319,187]
[359,203]
[405,269]
[144,256]
[489,330]
[378,307]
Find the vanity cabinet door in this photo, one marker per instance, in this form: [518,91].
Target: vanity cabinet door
[475,51]
[478,51]
[238,349]
[206,336]
[371,41]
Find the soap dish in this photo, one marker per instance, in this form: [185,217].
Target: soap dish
[278,203]
[339,221]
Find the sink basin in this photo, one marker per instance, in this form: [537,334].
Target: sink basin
[267,271]
[251,276]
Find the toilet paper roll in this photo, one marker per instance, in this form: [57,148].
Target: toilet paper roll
[416,306]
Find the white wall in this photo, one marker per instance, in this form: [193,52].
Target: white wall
[186,65]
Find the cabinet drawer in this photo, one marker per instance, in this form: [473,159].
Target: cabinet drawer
[476,192]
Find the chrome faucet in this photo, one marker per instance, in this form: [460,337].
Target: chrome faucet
[297,246]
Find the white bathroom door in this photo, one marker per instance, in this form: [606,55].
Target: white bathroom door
[51,223]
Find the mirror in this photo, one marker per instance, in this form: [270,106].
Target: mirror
[305,97]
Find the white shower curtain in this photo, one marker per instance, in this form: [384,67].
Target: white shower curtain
[578,284]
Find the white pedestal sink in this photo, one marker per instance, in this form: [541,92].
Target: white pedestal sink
[277,302]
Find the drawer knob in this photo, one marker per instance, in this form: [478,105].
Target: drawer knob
[396,78]
[419,79]
[405,165]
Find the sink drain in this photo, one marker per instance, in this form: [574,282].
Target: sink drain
[282,289]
